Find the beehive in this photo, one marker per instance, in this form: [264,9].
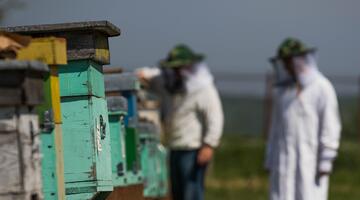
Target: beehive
[117,107]
[126,84]
[21,89]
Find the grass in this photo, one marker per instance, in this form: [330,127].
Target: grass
[237,172]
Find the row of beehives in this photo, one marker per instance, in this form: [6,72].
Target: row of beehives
[67,131]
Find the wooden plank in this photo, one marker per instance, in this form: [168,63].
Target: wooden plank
[50,50]
[59,152]
[133,192]
[113,70]
[55,93]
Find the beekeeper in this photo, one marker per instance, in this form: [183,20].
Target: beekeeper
[191,114]
[305,128]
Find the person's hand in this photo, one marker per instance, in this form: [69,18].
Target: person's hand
[145,74]
[205,155]
[140,74]
[319,175]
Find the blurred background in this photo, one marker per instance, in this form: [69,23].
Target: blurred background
[238,37]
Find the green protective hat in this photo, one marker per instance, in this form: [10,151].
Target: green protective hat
[292,47]
[179,56]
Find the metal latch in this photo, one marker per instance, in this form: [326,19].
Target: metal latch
[48,125]
[102,127]
[120,169]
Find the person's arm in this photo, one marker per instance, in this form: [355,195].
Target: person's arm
[212,111]
[330,128]
[151,79]
[272,132]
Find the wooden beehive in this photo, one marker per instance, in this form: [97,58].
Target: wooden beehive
[20,160]
[127,84]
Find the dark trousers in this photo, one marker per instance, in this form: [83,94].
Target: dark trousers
[187,177]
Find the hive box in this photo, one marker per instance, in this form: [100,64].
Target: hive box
[117,107]
[153,161]
[21,89]
[126,84]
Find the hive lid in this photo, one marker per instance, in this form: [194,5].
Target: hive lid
[101,26]
[146,128]
[15,65]
[85,40]
[21,82]
[121,82]
[117,103]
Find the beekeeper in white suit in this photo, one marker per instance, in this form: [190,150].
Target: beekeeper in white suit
[191,115]
[305,126]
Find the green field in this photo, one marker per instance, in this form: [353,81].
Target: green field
[237,172]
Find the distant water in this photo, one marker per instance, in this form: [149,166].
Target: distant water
[245,115]
[254,85]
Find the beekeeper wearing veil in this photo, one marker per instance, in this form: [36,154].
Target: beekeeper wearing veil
[305,126]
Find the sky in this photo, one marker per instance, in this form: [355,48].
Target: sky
[236,35]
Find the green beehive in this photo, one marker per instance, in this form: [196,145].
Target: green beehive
[153,161]
[51,51]
[86,134]
[148,159]
[117,107]
[164,172]
[126,84]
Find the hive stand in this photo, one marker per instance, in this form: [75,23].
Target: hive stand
[21,89]
[86,136]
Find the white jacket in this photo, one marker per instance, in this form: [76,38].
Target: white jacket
[191,119]
[304,139]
